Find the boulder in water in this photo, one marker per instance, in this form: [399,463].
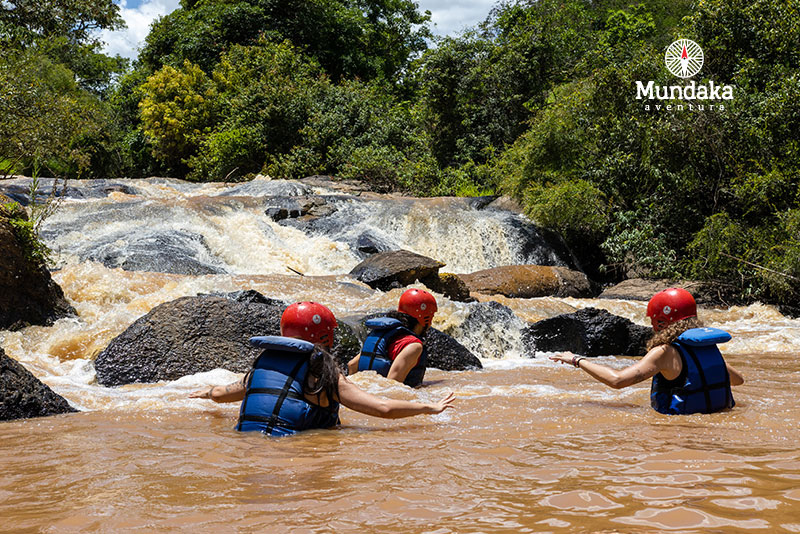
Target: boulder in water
[529,281]
[589,332]
[195,334]
[28,295]
[398,268]
[22,395]
[292,207]
[643,289]
[450,285]
[174,252]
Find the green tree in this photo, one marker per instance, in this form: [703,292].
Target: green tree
[179,109]
[66,31]
[349,38]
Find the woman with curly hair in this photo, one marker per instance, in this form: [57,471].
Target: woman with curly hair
[689,373]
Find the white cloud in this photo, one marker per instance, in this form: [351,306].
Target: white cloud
[126,42]
[453,17]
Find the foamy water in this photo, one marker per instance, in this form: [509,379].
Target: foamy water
[532,446]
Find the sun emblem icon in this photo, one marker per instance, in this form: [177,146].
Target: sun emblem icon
[684,58]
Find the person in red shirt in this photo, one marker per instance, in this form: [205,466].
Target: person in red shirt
[394,347]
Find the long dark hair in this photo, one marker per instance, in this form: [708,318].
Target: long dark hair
[671,332]
[324,372]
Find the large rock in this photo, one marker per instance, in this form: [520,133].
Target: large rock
[175,252]
[398,268]
[444,352]
[28,295]
[529,281]
[589,332]
[195,334]
[22,395]
[292,207]
[450,285]
[644,289]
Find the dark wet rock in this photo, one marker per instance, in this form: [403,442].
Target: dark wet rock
[447,354]
[28,294]
[196,334]
[277,214]
[444,352]
[589,332]
[450,285]
[367,244]
[22,395]
[18,189]
[488,330]
[175,252]
[293,207]
[397,268]
[529,281]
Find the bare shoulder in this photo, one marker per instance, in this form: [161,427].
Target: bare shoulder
[661,352]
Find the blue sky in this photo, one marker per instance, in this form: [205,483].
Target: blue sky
[449,17]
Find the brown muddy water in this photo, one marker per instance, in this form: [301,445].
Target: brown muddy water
[531,446]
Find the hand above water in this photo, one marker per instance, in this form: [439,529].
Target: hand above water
[445,403]
[563,357]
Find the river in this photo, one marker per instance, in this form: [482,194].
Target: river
[531,446]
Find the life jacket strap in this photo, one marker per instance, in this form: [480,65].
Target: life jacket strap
[284,392]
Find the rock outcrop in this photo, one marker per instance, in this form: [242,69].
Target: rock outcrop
[194,334]
[22,395]
[28,295]
[529,281]
[397,268]
[589,332]
[644,289]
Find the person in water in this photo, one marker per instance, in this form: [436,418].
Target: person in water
[689,373]
[296,384]
[394,346]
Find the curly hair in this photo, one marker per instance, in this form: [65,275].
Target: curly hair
[671,332]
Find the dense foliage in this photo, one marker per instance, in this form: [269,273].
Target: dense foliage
[538,102]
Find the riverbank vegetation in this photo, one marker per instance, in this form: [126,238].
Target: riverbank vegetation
[538,102]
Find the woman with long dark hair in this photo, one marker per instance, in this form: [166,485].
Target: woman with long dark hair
[689,373]
[295,384]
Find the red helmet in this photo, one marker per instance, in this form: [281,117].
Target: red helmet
[669,306]
[309,321]
[419,304]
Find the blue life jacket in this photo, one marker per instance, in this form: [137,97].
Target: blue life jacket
[375,351]
[703,385]
[274,403]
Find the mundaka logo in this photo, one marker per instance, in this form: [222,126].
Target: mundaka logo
[684,58]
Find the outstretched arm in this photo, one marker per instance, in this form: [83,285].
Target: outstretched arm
[648,366]
[231,393]
[359,400]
